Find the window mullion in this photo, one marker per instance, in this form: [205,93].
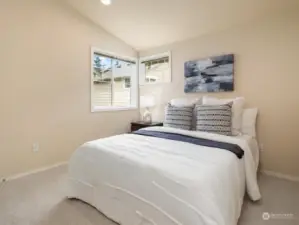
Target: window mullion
[112,82]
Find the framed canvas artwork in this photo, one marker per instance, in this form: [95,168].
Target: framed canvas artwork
[213,74]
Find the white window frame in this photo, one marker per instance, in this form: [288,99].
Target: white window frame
[134,88]
[142,80]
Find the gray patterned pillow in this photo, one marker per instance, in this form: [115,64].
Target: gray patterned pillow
[214,119]
[178,117]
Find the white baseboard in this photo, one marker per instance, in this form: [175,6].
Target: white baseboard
[281,175]
[17,176]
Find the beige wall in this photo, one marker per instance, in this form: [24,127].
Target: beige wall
[45,84]
[266,74]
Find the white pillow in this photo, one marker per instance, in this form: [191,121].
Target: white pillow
[183,102]
[237,110]
[249,121]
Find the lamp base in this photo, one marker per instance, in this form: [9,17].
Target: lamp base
[147,116]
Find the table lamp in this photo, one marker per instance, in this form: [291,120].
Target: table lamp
[147,102]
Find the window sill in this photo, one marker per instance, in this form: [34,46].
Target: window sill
[111,109]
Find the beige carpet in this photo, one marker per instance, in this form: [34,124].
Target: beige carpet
[40,200]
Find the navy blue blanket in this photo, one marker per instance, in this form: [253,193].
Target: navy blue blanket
[194,140]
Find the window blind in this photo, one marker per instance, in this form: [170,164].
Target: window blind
[111,77]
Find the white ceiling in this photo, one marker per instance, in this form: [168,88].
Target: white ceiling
[145,24]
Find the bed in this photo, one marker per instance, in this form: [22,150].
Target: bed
[144,180]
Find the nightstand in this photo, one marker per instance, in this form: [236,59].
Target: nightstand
[140,124]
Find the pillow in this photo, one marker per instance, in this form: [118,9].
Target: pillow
[237,110]
[215,119]
[249,122]
[178,117]
[181,102]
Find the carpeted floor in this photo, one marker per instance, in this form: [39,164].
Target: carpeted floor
[40,200]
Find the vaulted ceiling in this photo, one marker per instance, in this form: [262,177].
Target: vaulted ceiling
[145,24]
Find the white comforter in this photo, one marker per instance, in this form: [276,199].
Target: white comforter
[140,180]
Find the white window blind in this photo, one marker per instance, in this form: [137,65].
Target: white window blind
[155,69]
[114,82]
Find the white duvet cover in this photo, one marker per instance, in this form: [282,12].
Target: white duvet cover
[140,180]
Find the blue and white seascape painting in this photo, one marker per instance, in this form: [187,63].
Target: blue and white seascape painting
[214,74]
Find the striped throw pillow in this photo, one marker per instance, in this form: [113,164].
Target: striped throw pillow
[214,119]
[178,117]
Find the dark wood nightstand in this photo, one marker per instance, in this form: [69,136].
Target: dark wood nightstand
[140,124]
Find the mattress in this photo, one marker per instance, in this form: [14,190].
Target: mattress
[135,179]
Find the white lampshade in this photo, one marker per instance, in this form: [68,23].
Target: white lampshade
[147,101]
[106,2]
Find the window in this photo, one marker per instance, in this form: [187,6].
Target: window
[150,79]
[127,83]
[155,69]
[114,82]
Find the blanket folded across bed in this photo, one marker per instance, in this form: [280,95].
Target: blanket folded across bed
[236,149]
